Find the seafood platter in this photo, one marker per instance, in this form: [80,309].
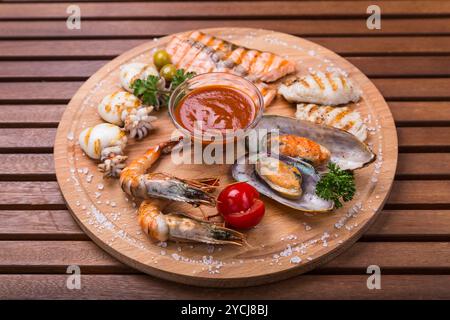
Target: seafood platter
[144,162]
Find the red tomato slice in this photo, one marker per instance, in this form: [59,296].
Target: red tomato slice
[240,206]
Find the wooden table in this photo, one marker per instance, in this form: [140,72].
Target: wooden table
[42,64]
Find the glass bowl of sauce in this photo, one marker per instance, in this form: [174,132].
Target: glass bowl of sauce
[216,107]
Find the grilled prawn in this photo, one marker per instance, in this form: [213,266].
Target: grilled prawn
[105,142]
[321,88]
[180,227]
[126,110]
[137,183]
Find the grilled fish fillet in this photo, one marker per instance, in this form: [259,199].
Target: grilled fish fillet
[321,88]
[339,117]
[202,53]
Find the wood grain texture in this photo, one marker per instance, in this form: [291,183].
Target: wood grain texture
[141,254]
[406,113]
[391,225]
[55,256]
[305,287]
[107,49]
[381,56]
[223,9]
[36,194]
[392,89]
[155,28]
[410,165]
[40,224]
[31,115]
[43,138]
[82,69]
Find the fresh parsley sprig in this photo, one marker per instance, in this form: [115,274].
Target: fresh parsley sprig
[180,77]
[153,90]
[336,184]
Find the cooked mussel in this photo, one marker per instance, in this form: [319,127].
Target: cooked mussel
[281,177]
[301,197]
[329,144]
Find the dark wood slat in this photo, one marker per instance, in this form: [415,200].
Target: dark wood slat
[20,139]
[410,224]
[54,70]
[435,165]
[31,115]
[436,88]
[420,112]
[55,256]
[41,165]
[82,69]
[302,287]
[154,28]
[110,48]
[391,224]
[419,193]
[39,194]
[31,194]
[405,113]
[223,9]
[432,137]
[45,225]
[35,138]
[402,66]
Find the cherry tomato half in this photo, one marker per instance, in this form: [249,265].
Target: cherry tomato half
[240,206]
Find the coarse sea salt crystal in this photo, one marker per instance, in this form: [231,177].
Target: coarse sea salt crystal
[70,136]
[100,186]
[296,259]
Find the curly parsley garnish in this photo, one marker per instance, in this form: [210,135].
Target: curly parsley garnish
[336,184]
[153,91]
[180,77]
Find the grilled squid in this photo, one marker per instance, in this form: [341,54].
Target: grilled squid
[130,72]
[126,110]
[105,142]
[321,88]
[339,117]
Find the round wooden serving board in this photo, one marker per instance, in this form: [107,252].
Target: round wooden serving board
[283,236]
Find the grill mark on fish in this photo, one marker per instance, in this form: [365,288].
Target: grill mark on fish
[348,126]
[304,83]
[318,81]
[225,49]
[253,62]
[214,54]
[268,63]
[312,110]
[344,83]
[339,117]
[330,80]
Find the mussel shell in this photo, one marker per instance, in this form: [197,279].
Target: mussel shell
[294,191]
[347,151]
[309,201]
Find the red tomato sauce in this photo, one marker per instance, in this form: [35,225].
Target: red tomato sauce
[215,107]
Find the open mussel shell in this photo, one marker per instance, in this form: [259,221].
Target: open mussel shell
[346,150]
[309,201]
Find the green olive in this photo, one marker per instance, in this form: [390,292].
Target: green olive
[161,58]
[168,72]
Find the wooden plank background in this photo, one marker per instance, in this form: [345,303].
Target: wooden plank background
[42,64]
